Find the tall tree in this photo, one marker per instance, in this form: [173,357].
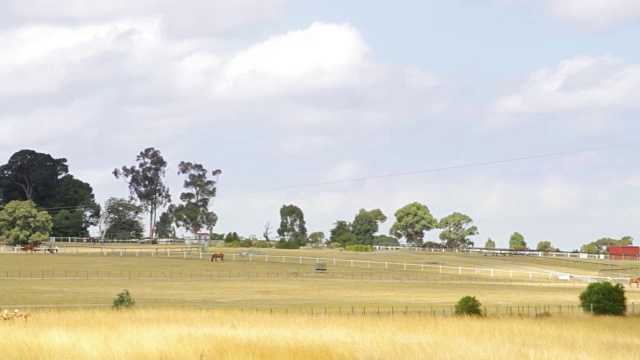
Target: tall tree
[342,234]
[365,226]
[21,223]
[601,246]
[30,175]
[164,226]
[194,214]
[516,242]
[120,218]
[457,231]
[145,182]
[267,231]
[490,244]
[292,225]
[412,221]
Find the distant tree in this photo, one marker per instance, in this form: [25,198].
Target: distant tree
[377,215]
[601,246]
[164,227]
[604,298]
[194,214]
[67,223]
[341,234]
[121,219]
[412,221]
[145,182]
[384,240]
[231,237]
[516,242]
[456,231]
[316,237]
[432,245]
[468,306]
[545,246]
[267,231]
[364,227]
[30,175]
[21,223]
[490,244]
[292,225]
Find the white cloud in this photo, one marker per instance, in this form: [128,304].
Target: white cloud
[345,170]
[184,18]
[578,84]
[595,14]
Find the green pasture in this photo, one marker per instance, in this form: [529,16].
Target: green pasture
[84,276]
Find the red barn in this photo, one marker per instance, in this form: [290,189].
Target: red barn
[623,252]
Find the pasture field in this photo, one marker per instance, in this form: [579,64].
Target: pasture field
[206,333]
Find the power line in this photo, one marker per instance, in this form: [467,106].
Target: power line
[446,168]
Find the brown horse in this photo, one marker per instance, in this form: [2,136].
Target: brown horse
[30,248]
[217,256]
[634,281]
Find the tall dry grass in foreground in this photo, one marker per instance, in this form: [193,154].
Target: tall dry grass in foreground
[222,334]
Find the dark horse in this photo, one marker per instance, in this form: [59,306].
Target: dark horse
[217,256]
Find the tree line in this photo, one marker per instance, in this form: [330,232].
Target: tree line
[40,198]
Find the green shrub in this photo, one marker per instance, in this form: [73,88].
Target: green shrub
[604,299]
[262,244]
[335,245]
[123,301]
[287,245]
[245,243]
[468,306]
[154,242]
[361,248]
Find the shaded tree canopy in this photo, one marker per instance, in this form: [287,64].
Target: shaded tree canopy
[456,231]
[316,237]
[29,175]
[193,213]
[21,223]
[412,221]
[120,219]
[145,182]
[164,227]
[292,225]
[341,233]
[545,246]
[364,227]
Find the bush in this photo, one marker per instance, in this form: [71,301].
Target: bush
[335,245]
[154,242]
[245,243]
[604,298]
[468,306]
[287,245]
[123,301]
[361,248]
[262,244]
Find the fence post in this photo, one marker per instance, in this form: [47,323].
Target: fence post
[300,260]
[460,270]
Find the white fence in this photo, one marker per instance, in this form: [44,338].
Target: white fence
[365,264]
[504,252]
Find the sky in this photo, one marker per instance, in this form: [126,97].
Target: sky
[292,100]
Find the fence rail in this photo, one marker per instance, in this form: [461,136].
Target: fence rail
[334,263]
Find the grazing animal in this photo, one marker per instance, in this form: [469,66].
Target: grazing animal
[30,248]
[244,254]
[217,256]
[634,281]
[52,250]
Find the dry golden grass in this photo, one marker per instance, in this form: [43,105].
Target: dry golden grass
[184,333]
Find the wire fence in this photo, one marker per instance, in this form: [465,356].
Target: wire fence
[433,271]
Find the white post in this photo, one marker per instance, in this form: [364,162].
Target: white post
[351,263]
[250,255]
[300,260]
[440,269]
[460,270]
[491,272]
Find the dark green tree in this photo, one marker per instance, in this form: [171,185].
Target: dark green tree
[604,298]
[120,219]
[412,221]
[545,246]
[384,240]
[468,306]
[145,182]
[21,223]
[68,224]
[456,231]
[341,234]
[39,177]
[364,227]
[292,225]
[164,226]
[601,246]
[194,214]
[516,242]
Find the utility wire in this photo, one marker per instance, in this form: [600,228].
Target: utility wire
[446,168]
